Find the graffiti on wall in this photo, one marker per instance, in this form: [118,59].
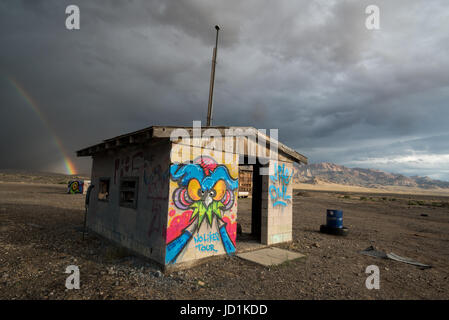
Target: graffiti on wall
[205,193]
[279,182]
[153,178]
[153,174]
[121,168]
[153,181]
[75,186]
[129,166]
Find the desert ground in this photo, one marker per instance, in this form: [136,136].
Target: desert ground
[40,235]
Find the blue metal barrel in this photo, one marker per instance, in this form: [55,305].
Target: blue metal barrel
[334,218]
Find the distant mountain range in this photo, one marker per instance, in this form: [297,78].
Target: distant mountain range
[333,173]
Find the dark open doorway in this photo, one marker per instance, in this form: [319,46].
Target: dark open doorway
[249,216]
[256,204]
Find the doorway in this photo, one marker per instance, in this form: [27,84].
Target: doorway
[249,215]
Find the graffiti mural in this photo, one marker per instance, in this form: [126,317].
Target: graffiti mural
[203,196]
[279,183]
[75,186]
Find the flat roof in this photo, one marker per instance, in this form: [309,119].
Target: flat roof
[164,132]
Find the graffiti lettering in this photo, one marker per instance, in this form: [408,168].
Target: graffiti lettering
[155,181]
[207,237]
[121,168]
[208,248]
[278,189]
[137,163]
[155,224]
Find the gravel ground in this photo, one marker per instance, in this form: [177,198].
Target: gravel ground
[40,235]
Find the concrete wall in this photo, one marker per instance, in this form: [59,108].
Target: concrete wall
[197,229]
[277,203]
[141,229]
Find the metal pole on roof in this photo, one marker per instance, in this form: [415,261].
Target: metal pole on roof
[212,79]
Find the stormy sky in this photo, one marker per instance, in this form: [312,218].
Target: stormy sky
[336,91]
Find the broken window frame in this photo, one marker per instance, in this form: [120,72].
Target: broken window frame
[100,180]
[135,189]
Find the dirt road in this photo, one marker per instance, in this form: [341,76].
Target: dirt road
[40,235]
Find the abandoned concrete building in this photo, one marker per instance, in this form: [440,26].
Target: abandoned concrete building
[150,199]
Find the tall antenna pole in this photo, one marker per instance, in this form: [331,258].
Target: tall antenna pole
[212,79]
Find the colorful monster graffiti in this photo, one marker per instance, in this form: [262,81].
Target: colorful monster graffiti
[206,192]
[75,186]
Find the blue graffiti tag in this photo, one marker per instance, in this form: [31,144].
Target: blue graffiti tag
[206,238]
[278,190]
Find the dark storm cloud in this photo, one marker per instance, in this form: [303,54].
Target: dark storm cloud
[337,91]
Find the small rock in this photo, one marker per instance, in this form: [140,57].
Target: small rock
[316,245]
[158,274]
[201,283]
[34,225]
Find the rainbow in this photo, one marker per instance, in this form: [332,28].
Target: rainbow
[70,168]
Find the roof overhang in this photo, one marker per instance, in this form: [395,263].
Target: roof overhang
[165,133]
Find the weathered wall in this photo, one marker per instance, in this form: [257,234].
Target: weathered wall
[142,229]
[277,203]
[202,207]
